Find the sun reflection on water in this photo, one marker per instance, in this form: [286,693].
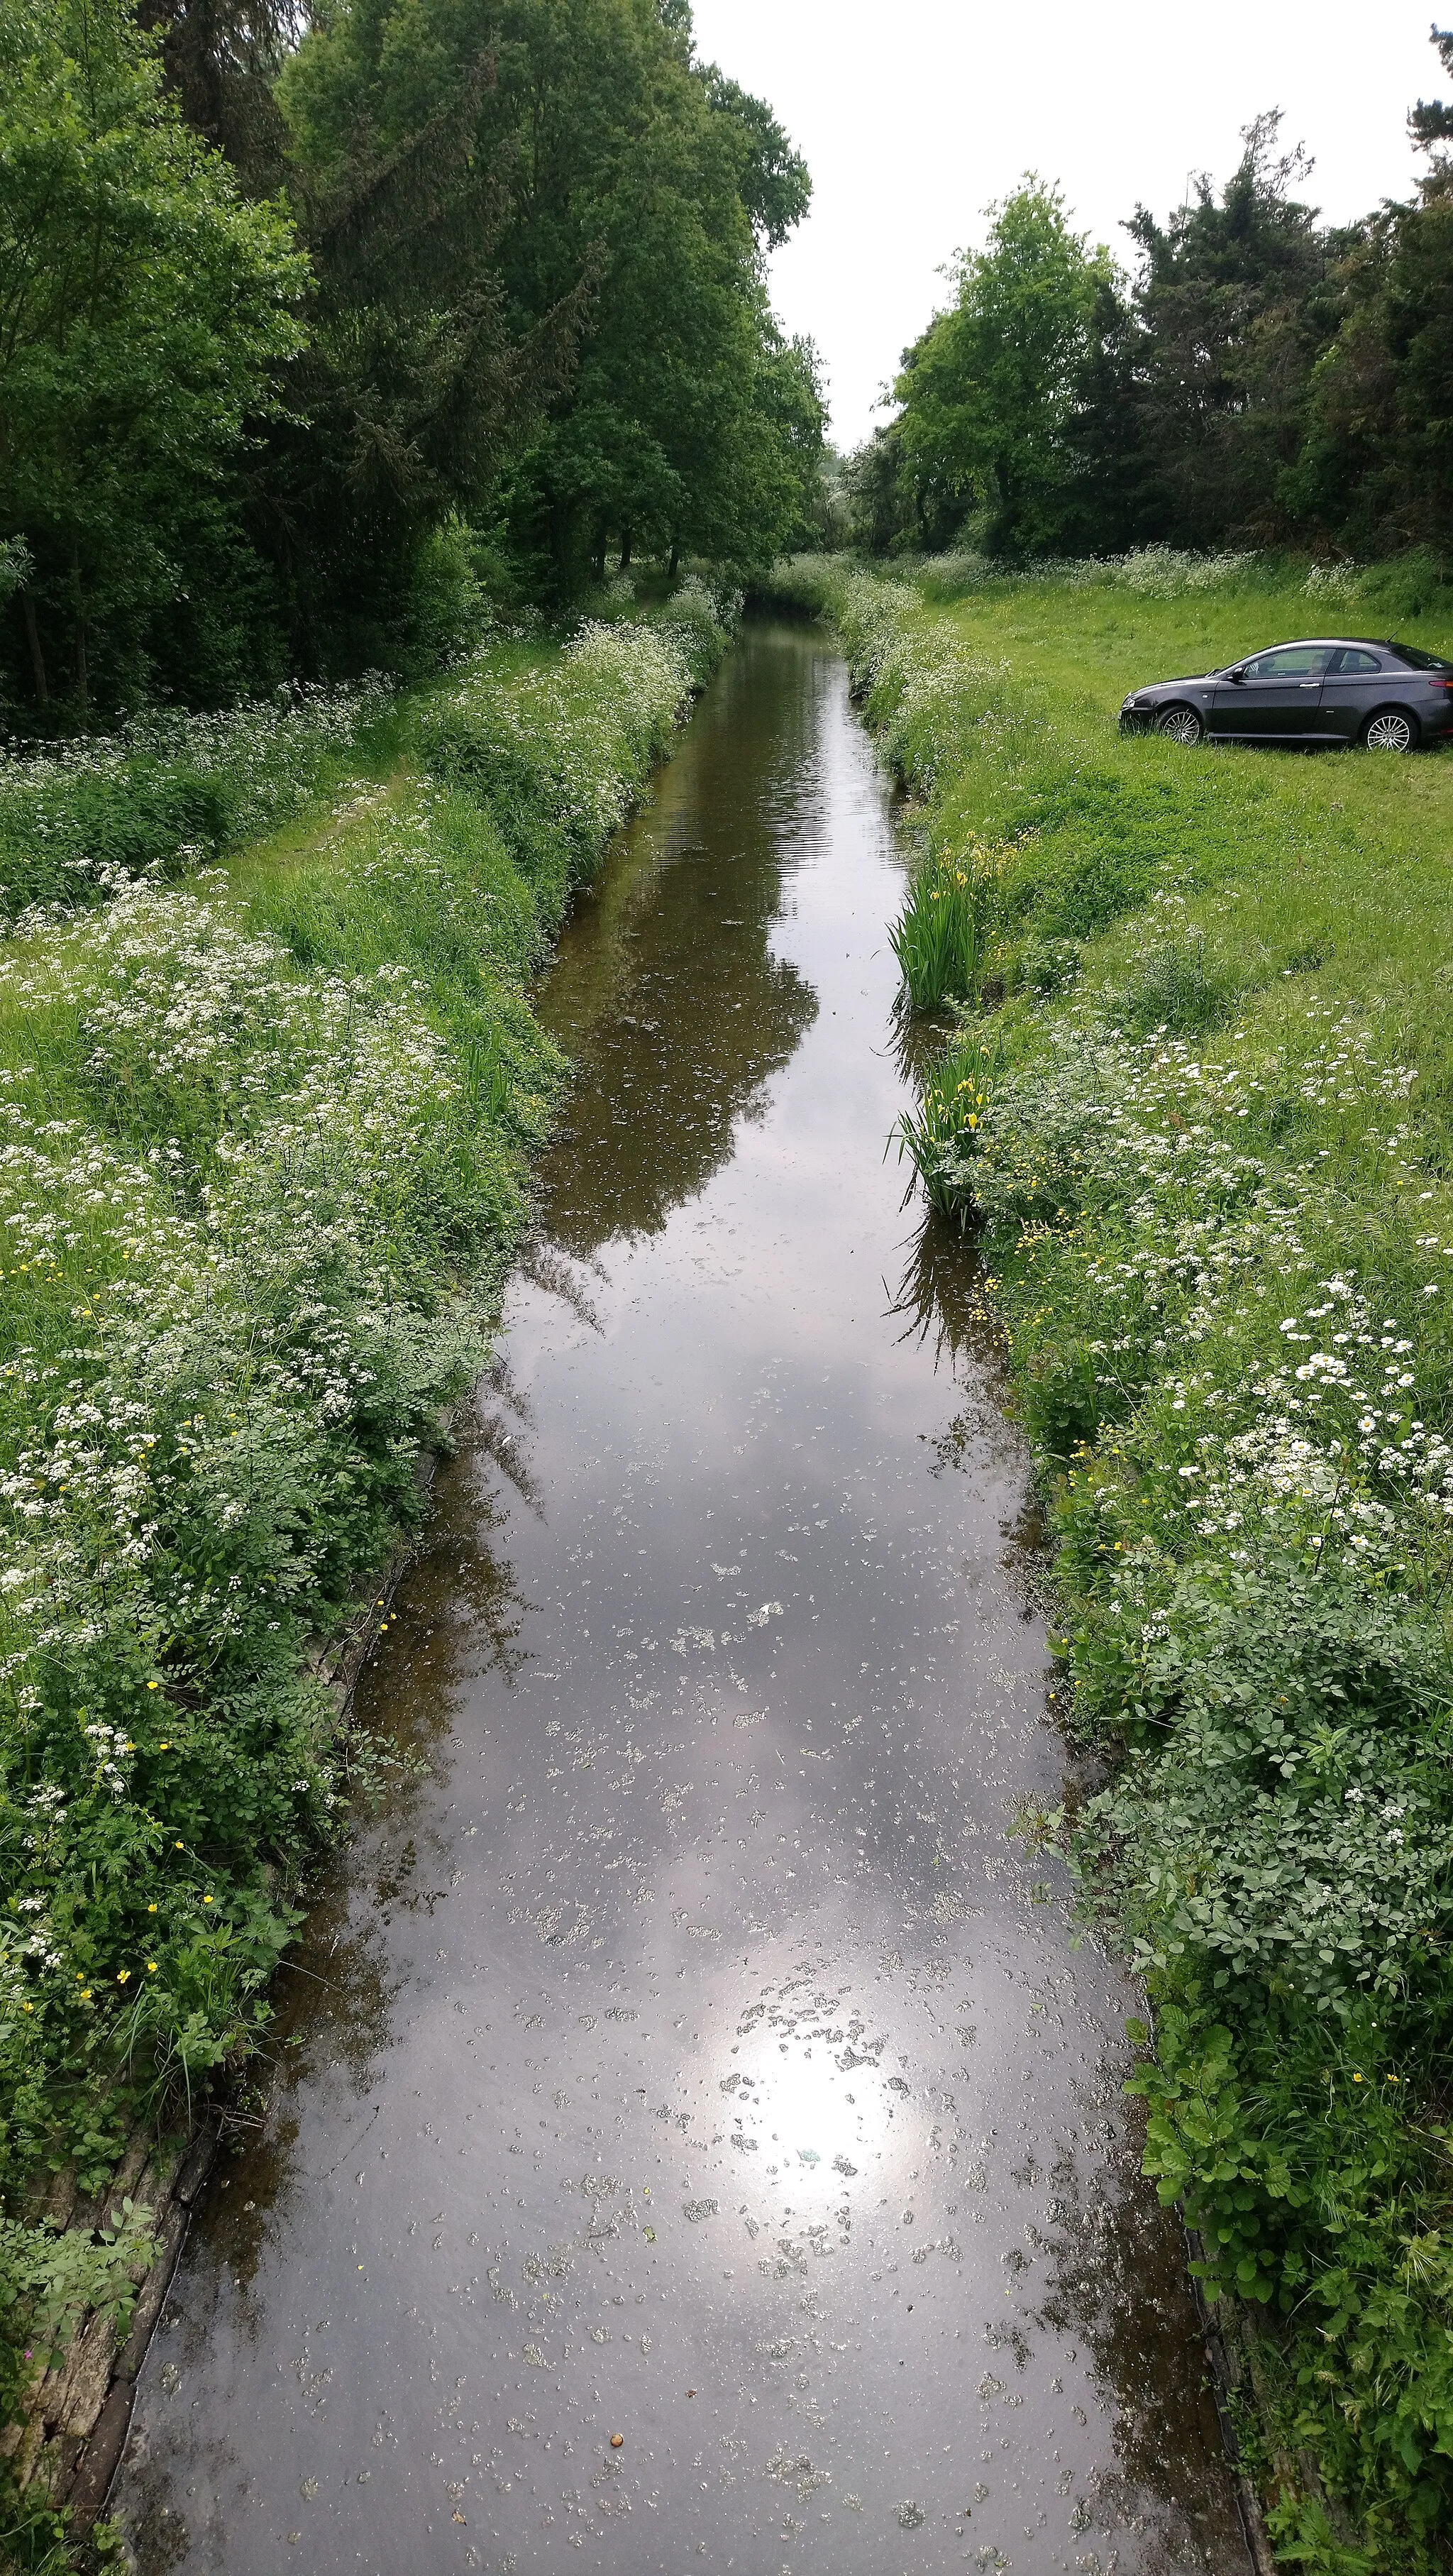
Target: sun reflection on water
[817,2116]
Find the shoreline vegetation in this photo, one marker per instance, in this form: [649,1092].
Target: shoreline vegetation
[271,1088]
[1192,1103]
[397,327]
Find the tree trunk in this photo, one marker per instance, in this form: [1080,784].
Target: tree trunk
[671,568]
[83,693]
[37,658]
[625,561]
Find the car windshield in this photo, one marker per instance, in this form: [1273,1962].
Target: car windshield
[1418,660]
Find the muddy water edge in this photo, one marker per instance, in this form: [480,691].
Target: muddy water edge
[687,2055]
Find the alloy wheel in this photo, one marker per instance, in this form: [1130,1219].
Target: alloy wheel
[1180,724]
[1390,731]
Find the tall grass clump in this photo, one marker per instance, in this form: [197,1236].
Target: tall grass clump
[938,937]
[1204,1143]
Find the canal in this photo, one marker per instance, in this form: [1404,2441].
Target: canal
[685,2052]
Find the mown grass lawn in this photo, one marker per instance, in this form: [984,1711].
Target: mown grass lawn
[1337,865]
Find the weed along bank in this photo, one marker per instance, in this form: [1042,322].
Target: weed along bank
[689,2128]
[1189,1110]
[269,1123]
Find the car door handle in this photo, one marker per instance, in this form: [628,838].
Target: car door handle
[1309,684]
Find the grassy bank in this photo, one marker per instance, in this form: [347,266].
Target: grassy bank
[266,1151]
[1197,1106]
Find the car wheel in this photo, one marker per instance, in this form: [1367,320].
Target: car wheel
[1390,729]
[1180,724]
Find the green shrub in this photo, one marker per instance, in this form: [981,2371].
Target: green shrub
[167,794]
[1176,983]
[49,2277]
[560,750]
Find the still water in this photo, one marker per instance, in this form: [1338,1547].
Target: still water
[688,2054]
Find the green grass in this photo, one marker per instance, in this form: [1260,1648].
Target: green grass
[1200,1123]
[938,937]
[1340,857]
[265,1148]
[173,791]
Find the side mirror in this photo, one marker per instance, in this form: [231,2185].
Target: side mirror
[1238,674]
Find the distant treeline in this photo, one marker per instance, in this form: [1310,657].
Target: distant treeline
[318,326]
[1260,379]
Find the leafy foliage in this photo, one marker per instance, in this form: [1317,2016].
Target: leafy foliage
[1257,378]
[328,327]
[149,312]
[265,1155]
[986,393]
[538,234]
[1208,1186]
[938,937]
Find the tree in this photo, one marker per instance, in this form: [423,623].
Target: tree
[1375,471]
[145,313]
[693,426]
[874,492]
[1233,309]
[986,393]
[1430,123]
[418,384]
[635,190]
[1119,485]
[221,59]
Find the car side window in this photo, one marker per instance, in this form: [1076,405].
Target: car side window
[1350,659]
[1291,662]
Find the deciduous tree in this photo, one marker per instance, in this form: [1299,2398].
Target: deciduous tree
[146,310]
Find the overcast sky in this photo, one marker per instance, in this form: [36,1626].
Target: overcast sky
[914,115]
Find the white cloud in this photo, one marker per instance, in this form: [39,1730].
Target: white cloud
[913,117]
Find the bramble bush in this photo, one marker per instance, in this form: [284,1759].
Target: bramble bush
[1210,1198]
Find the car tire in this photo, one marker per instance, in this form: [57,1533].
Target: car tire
[1390,729]
[1180,723]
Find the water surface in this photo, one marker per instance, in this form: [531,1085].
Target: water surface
[690,2055]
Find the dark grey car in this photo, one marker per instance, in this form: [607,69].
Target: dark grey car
[1330,689]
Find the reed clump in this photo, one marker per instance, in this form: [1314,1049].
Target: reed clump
[938,938]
